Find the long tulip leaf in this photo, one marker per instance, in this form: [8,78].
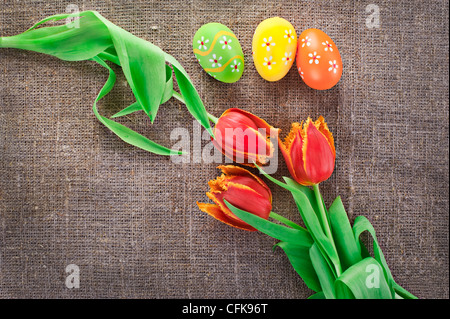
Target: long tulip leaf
[344,239]
[92,37]
[300,260]
[324,273]
[363,280]
[168,93]
[361,225]
[68,42]
[310,219]
[313,224]
[125,133]
[143,65]
[190,95]
[318,295]
[274,230]
[135,107]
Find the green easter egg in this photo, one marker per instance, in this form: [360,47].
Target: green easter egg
[219,53]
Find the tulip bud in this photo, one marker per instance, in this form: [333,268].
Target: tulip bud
[241,189]
[244,137]
[309,152]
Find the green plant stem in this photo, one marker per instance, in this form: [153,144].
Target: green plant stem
[284,220]
[326,226]
[178,96]
[212,118]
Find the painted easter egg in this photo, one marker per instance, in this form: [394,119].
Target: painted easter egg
[219,53]
[318,60]
[274,47]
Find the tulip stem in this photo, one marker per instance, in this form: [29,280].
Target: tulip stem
[284,220]
[212,118]
[178,96]
[325,223]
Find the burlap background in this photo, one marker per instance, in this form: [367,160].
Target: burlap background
[71,192]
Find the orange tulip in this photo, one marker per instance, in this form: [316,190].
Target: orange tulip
[309,152]
[241,189]
[244,137]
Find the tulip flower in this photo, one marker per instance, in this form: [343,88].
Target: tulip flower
[309,152]
[244,137]
[241,189]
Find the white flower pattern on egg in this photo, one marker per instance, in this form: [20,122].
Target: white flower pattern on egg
[235,66]
[314,58]
[202,43]
[306,41]
[269,62]
[226,43]
[286,58]
[288,35]
[267,43]
[215,61]
[333,66]
[328,46]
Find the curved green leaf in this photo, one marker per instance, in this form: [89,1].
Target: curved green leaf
[190,95]
[363,280]
[361,225]
[300,260]
[324,272]
[120,130]
[318,295]
[92,37]
[79,40]
[347,248]
[310,220]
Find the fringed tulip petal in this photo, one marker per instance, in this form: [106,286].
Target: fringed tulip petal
[309,152]
[243,190]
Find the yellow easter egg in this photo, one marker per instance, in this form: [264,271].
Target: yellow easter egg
[274,47]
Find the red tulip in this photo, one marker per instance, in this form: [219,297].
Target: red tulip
[309,152]
[241,189]
[244,137]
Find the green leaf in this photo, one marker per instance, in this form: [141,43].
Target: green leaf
[324,272]
[128,110]
[305,190]
[361,225]
[274,230]
[299,258]
[344,239]
[120,130]
[313,225]
[363,280]
[318,295]
[285,221]
[92,37]
[143,65]
[402,292]
[310,220]
[168,93]
[190,95]
[68,42]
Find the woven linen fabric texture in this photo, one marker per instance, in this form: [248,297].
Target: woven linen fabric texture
[71,192]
